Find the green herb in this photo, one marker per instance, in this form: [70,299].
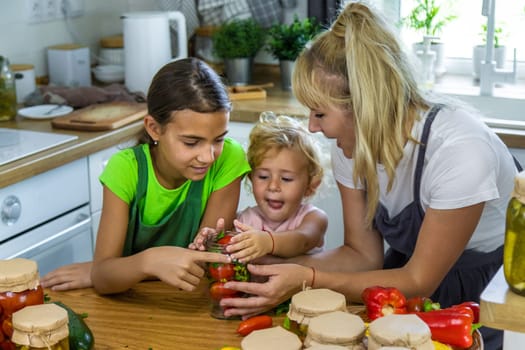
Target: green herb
[282,308]
[427,17]
[47,298]
[241,272]
[238,39]
[287,41]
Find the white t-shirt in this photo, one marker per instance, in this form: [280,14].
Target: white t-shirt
[465,163]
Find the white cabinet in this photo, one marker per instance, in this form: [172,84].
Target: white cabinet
[327,197]
[96,163]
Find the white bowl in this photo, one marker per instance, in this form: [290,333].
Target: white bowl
[111,73]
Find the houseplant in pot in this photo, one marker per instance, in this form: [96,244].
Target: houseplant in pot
[237,42]
[429,17]
[479,55]
[286,41]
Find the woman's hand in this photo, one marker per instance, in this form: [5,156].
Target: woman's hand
[284,280]
[250,244]
[73,276]
[180,267]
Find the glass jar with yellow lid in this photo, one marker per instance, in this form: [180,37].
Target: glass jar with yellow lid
[39,327]
[19,287]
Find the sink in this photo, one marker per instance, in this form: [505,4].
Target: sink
[16,144]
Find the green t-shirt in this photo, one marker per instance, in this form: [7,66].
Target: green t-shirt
[120,176]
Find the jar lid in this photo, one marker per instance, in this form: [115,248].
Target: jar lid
[313,302]
[18,275]
[114,41]
[400,330]
[336,328]
[271,338]
[40,325]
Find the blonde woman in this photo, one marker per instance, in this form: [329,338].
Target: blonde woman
[432,180]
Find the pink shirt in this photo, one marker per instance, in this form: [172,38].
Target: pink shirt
[253,217]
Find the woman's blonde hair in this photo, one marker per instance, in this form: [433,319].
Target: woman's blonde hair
[359,65]
[283,132]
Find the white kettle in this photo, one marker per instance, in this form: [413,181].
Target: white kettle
[147,45]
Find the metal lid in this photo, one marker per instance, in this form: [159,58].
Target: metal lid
[40,326]
[18,275]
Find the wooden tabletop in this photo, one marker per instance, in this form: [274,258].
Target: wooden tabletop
[500,307]
[152,315]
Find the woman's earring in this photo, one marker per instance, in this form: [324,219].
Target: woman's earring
[155,142]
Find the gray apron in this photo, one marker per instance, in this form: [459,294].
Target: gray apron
[472,271]
[177,228]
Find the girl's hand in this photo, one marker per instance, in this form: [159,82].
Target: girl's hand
[73,276]
[180,267]
[284,280]
[249,244]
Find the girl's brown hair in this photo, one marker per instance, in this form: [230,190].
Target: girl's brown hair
[359,65]
[188,83]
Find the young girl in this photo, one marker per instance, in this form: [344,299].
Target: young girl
[286,171]
[185,175]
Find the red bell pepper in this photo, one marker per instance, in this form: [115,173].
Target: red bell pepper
[474,307]
[451,326]
[382,301]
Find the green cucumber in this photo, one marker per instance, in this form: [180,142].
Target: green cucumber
[80,336]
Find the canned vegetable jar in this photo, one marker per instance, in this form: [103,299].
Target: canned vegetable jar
[514,247]
[41,327]
[19,287]
[310,303]
[218,274]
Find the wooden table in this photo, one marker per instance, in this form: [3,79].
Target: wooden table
[501,308]
[152,315]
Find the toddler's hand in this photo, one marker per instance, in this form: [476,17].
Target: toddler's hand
[249,244]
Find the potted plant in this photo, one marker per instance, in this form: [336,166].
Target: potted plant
[286,41]
[428,18]
[499,53]
[237,42]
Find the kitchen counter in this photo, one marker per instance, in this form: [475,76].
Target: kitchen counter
[88,142]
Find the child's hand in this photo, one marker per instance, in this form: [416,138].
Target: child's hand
[249,244]
[199,243]
[205,233]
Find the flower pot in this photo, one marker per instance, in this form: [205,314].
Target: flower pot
[286,67]
[238,70]
[478,56]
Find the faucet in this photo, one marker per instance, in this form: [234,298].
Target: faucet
[489,74]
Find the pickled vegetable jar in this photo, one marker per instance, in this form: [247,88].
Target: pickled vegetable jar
[41,327]
[514,247]
[7,91]
[19,287]
[218,274]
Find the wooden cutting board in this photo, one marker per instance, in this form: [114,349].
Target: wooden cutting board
[102,116]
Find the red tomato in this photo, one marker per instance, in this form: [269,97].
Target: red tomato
[13,301]
[254,323]
[222,272]
[218,291]
[225,240]
[416,304]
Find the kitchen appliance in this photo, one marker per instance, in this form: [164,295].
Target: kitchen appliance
[16,144]
[69,65]
[147,45]
[46,218]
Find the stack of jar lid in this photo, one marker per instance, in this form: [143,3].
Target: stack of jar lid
[26,321]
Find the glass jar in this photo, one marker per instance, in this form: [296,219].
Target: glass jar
[310,303]
[514,247]
[7,91]
[19,287]
[218,274]
[40,327]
